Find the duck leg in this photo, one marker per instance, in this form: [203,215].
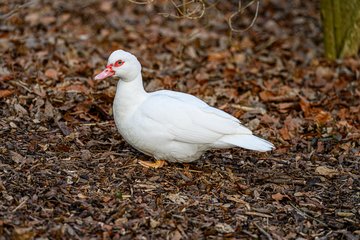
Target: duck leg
[156,164]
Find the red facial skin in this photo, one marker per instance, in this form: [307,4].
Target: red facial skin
[108,71]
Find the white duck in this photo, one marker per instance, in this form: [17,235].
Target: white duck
[168,125]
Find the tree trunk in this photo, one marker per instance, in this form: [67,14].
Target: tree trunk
[341,23]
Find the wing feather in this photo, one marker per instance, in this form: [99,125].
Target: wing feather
[189,119]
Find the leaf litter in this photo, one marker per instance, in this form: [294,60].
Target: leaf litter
[66,173]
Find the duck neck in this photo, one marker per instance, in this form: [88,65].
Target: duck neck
[129,94]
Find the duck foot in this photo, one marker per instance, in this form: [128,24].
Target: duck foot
[156,164]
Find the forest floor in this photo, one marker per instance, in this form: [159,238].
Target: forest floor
[66,173]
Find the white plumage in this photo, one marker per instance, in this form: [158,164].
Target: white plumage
[169,125]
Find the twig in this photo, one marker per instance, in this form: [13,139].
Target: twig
[96,124]
[263,231]
[16,9]
[240,11]
[21,204]
[190,170]
[250,234]
[141,2]
[184,14]
[197,12]
[302,213]
[258,214]
[249,109]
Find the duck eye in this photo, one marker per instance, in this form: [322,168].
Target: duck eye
[119,63]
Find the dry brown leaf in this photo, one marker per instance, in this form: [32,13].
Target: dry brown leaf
[106,6]
[64,128]
[75,88]
[266,96]
[305,106]
[218,56]
[176,235]
[106,199]
[325,171]
[39,90]
[246,42]
[32,18]
[154,223]
[20,110]
[51,73]
[23,233]
[285,106]
[345,214]
[177,198]
[343,113]
[81,196]
[285,134]
[323,117]
[16,157]
[46,20]
[49,110]
[236,198]
[323,75]
[5,93]
[224,228]
[320,147]
[279,196]
[267,119]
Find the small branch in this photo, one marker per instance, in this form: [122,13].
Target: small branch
[15,10]
[258,214]
[263,231]
[302,213]
[182,9]
[21,204]
[141,2]
[195,9]
[239,12]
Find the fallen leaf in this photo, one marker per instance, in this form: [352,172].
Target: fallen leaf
[85,155]
[51,73]
[64,129]
[279,196]
[325,171]
[224,228]
[121,221]
[154,223]
[345,214]
[16,157]
[20,110]
[23,233]
[285,134]
[323,117]
[5,93]
[323,75]
[177,198]
[49,110]
[106,6]
[80,88]
[176,235]
[106,199]
[305,106]
[218,56]
[236,198]
[47,20]
[266,96]
[81,196]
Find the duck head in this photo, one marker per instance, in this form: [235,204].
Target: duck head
[121,64]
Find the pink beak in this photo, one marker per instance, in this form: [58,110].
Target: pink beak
[108,72]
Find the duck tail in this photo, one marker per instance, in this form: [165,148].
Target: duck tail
[248,141]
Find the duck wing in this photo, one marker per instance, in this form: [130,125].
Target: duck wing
[189,119]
